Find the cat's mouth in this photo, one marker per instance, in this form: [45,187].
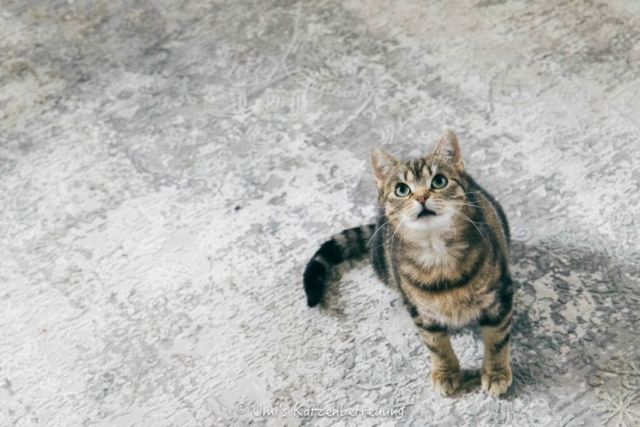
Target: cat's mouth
[425,213]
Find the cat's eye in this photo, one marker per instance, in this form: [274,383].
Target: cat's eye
[402,190]
[438,182]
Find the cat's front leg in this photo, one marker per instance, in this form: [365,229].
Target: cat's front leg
[496,370]
[445,367]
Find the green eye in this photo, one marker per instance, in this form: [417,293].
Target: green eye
[402,190]
[438,182]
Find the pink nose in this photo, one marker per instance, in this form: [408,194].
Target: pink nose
[421,195]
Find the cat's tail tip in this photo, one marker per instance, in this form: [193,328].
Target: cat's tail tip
[315,285]
[348,244]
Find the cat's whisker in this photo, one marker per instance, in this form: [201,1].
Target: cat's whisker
[466,204]
[375,232]
[455,231]
[398,228]
[459,198]
[469,219]
[474,224]
[443,204]
[383,243]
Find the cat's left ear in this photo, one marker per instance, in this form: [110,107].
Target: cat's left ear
[447,148]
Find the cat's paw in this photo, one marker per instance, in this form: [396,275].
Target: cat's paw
[446,383]
[497,383]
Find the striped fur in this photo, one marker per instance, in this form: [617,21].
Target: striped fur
[349,244]
[445,249]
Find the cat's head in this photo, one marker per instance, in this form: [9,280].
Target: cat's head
[422,193]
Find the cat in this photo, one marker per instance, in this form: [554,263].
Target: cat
[443,242]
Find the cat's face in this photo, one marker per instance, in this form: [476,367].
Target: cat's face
[424,193]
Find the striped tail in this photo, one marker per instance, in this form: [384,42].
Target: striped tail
[349,244]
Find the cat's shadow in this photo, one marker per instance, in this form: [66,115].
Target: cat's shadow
[553,342]
[470,382]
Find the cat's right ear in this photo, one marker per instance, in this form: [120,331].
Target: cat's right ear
[382,163]
[447,148]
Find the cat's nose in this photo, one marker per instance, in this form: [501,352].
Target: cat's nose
[421,196]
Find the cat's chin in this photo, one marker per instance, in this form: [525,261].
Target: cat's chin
[430,222]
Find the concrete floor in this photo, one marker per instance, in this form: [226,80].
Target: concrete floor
[168,167]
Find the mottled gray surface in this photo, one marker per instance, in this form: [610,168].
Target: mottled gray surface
[168,167]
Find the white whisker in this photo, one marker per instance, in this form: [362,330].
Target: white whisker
[397,228]
[455,231]
[474,224]
[375,232]
[466,204]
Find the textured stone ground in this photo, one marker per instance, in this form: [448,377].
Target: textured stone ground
[168,167]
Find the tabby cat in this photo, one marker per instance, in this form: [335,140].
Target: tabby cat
[443,242]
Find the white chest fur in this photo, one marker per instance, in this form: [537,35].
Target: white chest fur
[434,258]
[434,252]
